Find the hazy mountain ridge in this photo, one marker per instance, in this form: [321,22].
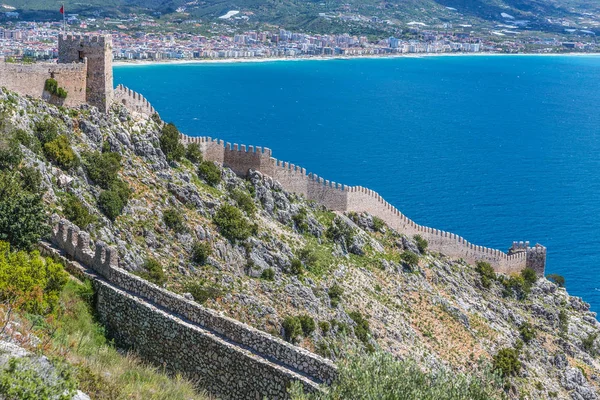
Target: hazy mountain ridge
[319,16]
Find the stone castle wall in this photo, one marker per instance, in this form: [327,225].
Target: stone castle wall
[30,79]
[231,359]
[84,70]
[133,101]
[97,49]
[344,198]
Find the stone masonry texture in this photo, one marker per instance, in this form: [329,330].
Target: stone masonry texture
[230,359]
[84,70]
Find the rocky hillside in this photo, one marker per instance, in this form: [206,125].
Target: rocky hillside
[334,284]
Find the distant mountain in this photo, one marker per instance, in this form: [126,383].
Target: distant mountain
[313,15]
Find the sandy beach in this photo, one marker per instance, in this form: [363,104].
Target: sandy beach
[122,63]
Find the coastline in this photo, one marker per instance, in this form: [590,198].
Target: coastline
[130,63]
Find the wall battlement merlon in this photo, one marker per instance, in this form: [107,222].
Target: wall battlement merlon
[360,199]
[87,39]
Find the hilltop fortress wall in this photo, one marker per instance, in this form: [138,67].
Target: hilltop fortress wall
[84,70]
[133,101]
[97,49]
[230,359]
[344,198]
[30,79]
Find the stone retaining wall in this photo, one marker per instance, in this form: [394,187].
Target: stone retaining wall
[30,79]
[338,197]
[272,361]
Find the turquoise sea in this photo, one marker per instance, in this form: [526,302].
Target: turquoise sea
[493,148]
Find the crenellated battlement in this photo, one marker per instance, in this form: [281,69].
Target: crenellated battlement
[133,101]
[77,245]
[83,70]
[339,197]
[100,40]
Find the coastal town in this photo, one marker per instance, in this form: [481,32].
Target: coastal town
[26,40]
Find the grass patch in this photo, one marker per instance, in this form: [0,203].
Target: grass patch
[382,376]
[102,371]
[317,258]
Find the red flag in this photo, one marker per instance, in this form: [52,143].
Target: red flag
[62,9]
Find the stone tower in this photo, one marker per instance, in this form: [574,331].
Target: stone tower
[97,50]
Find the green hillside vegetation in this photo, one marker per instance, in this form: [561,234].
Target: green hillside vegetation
[304,15]
[392,314]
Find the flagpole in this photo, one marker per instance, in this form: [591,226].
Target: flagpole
[64,19]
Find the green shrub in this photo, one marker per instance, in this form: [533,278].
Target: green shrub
[156,118]
[563,321]
[46,130]
[296,267]
[174,220]
[516,285]
[76,212]
[170,144]
[51,86]
[308,256]
[232,223]
[22,213]
[588,343]
[153,272]
[112,201]
[307,323]
[506,362]
[486,273]
[121,188]
[382,376]
[210,172]
[340,232]
[409,259]
[10,152]
[529,276]
[362,329]
[102,168]
[193,153]
[301,220]
[25,379]
[202,293]
[292,328]
[527,332]
[29,281]
[342,327]
[59,151]
[31,142]
[421,243]
[200,252]
[335,293]
[31,179]
[378,224]
[325,327]
[62,93]
[111,204]
[244,201]
[557,279]
[268,274]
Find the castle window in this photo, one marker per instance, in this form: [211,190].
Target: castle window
[81,56]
